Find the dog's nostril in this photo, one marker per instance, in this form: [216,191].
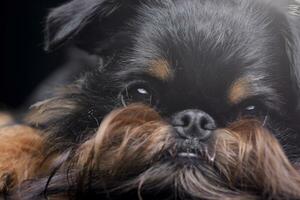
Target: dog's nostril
[186,120]
[204,123]
[207,123]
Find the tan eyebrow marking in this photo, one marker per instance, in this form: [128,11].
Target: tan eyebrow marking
[161,69]
[239,91]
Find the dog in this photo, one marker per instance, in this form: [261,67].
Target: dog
[194,99]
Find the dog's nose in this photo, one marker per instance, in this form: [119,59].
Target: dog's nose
[193,124]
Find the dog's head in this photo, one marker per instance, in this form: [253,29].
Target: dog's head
[221,78]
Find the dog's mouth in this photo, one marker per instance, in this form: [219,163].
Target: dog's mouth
[190,150]
[188,155]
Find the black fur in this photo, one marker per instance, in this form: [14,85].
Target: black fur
[209,44]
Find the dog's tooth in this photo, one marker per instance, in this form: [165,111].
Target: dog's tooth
[189,155]
[211,157]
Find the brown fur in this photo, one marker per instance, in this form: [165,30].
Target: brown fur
[239,90]
[161,70]
[55,107]
[21,153]
[135,134]
[250,157]
[44,111]
[5,118]
[243,161]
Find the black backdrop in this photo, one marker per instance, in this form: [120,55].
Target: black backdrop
[23,62]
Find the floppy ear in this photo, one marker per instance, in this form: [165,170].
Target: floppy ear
[70,20]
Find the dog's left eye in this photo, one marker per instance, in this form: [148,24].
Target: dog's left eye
[252,109]
[138,93]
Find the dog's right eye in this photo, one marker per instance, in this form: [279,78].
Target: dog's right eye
[138,92]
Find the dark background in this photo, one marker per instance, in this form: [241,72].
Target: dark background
[23,63]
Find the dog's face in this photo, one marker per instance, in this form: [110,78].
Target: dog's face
[221,78]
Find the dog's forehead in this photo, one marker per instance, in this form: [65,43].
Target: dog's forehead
[189,34]
[201,47]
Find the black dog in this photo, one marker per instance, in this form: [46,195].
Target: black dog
[222,81]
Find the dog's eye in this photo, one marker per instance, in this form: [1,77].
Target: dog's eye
[138,93]
[251,109]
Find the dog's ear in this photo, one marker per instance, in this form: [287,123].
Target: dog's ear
[69,21]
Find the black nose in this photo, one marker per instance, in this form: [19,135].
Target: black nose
[193,124]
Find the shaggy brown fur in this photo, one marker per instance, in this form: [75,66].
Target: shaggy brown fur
[133,151]
[21,153]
